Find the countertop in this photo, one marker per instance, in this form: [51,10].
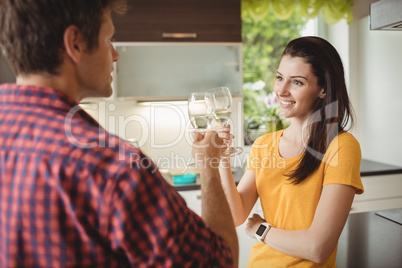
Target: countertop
[367,168]
[237,174]
[372,168]
[371,241]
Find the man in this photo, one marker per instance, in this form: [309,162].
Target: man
[65,205]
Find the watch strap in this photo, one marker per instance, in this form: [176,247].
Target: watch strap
[261,236]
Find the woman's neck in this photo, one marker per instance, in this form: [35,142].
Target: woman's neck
[297,131]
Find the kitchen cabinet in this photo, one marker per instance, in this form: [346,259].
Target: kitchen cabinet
[380,192]
[193,200]
[160,71]
[382,187]
[179,20]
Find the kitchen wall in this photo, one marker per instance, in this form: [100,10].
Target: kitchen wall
[373,68]
[378,70]
[375,63]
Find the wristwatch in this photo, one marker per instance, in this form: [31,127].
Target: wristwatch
[262,231]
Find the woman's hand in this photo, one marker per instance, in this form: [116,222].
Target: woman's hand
[252,225]
[224,134]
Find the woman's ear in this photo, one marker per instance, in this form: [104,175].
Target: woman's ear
[74,43]
[322,93]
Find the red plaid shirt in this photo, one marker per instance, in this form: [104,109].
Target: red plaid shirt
[80,197]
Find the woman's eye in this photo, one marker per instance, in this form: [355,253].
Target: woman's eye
[297,82]
[279,78]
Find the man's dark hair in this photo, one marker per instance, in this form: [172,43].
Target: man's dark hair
[31,32]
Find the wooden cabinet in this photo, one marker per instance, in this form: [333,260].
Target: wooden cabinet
[179,21]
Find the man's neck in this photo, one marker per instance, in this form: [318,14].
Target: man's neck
[53,81]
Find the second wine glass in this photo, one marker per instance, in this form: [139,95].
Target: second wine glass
[220,101]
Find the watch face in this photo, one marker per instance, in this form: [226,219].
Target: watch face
[261,230]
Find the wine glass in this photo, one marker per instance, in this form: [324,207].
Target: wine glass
[200,114]
[220,101]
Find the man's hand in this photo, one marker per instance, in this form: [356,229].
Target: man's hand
[207,149]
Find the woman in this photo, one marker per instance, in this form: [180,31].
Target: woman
[306,176]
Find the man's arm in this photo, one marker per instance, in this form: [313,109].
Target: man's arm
[215,208]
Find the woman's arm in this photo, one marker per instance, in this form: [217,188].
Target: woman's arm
[241,198]
[317,242]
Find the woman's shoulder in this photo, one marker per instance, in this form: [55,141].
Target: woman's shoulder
[344,141]
[347,138]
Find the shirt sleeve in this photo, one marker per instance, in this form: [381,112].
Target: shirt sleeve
[153,226]
[342,161]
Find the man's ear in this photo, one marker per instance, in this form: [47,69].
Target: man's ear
[74,43]
[322,93]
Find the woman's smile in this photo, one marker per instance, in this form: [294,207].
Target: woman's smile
[286,104]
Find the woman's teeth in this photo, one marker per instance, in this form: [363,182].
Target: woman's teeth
[287,102]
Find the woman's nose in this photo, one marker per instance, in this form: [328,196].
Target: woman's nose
[281,88]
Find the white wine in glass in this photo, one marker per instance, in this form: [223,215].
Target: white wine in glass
[199,113]
[222,116]
[220,101]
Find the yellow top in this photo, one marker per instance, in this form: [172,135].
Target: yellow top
[290,206]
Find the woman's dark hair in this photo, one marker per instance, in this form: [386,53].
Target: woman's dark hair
[331,114]
[31,32]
